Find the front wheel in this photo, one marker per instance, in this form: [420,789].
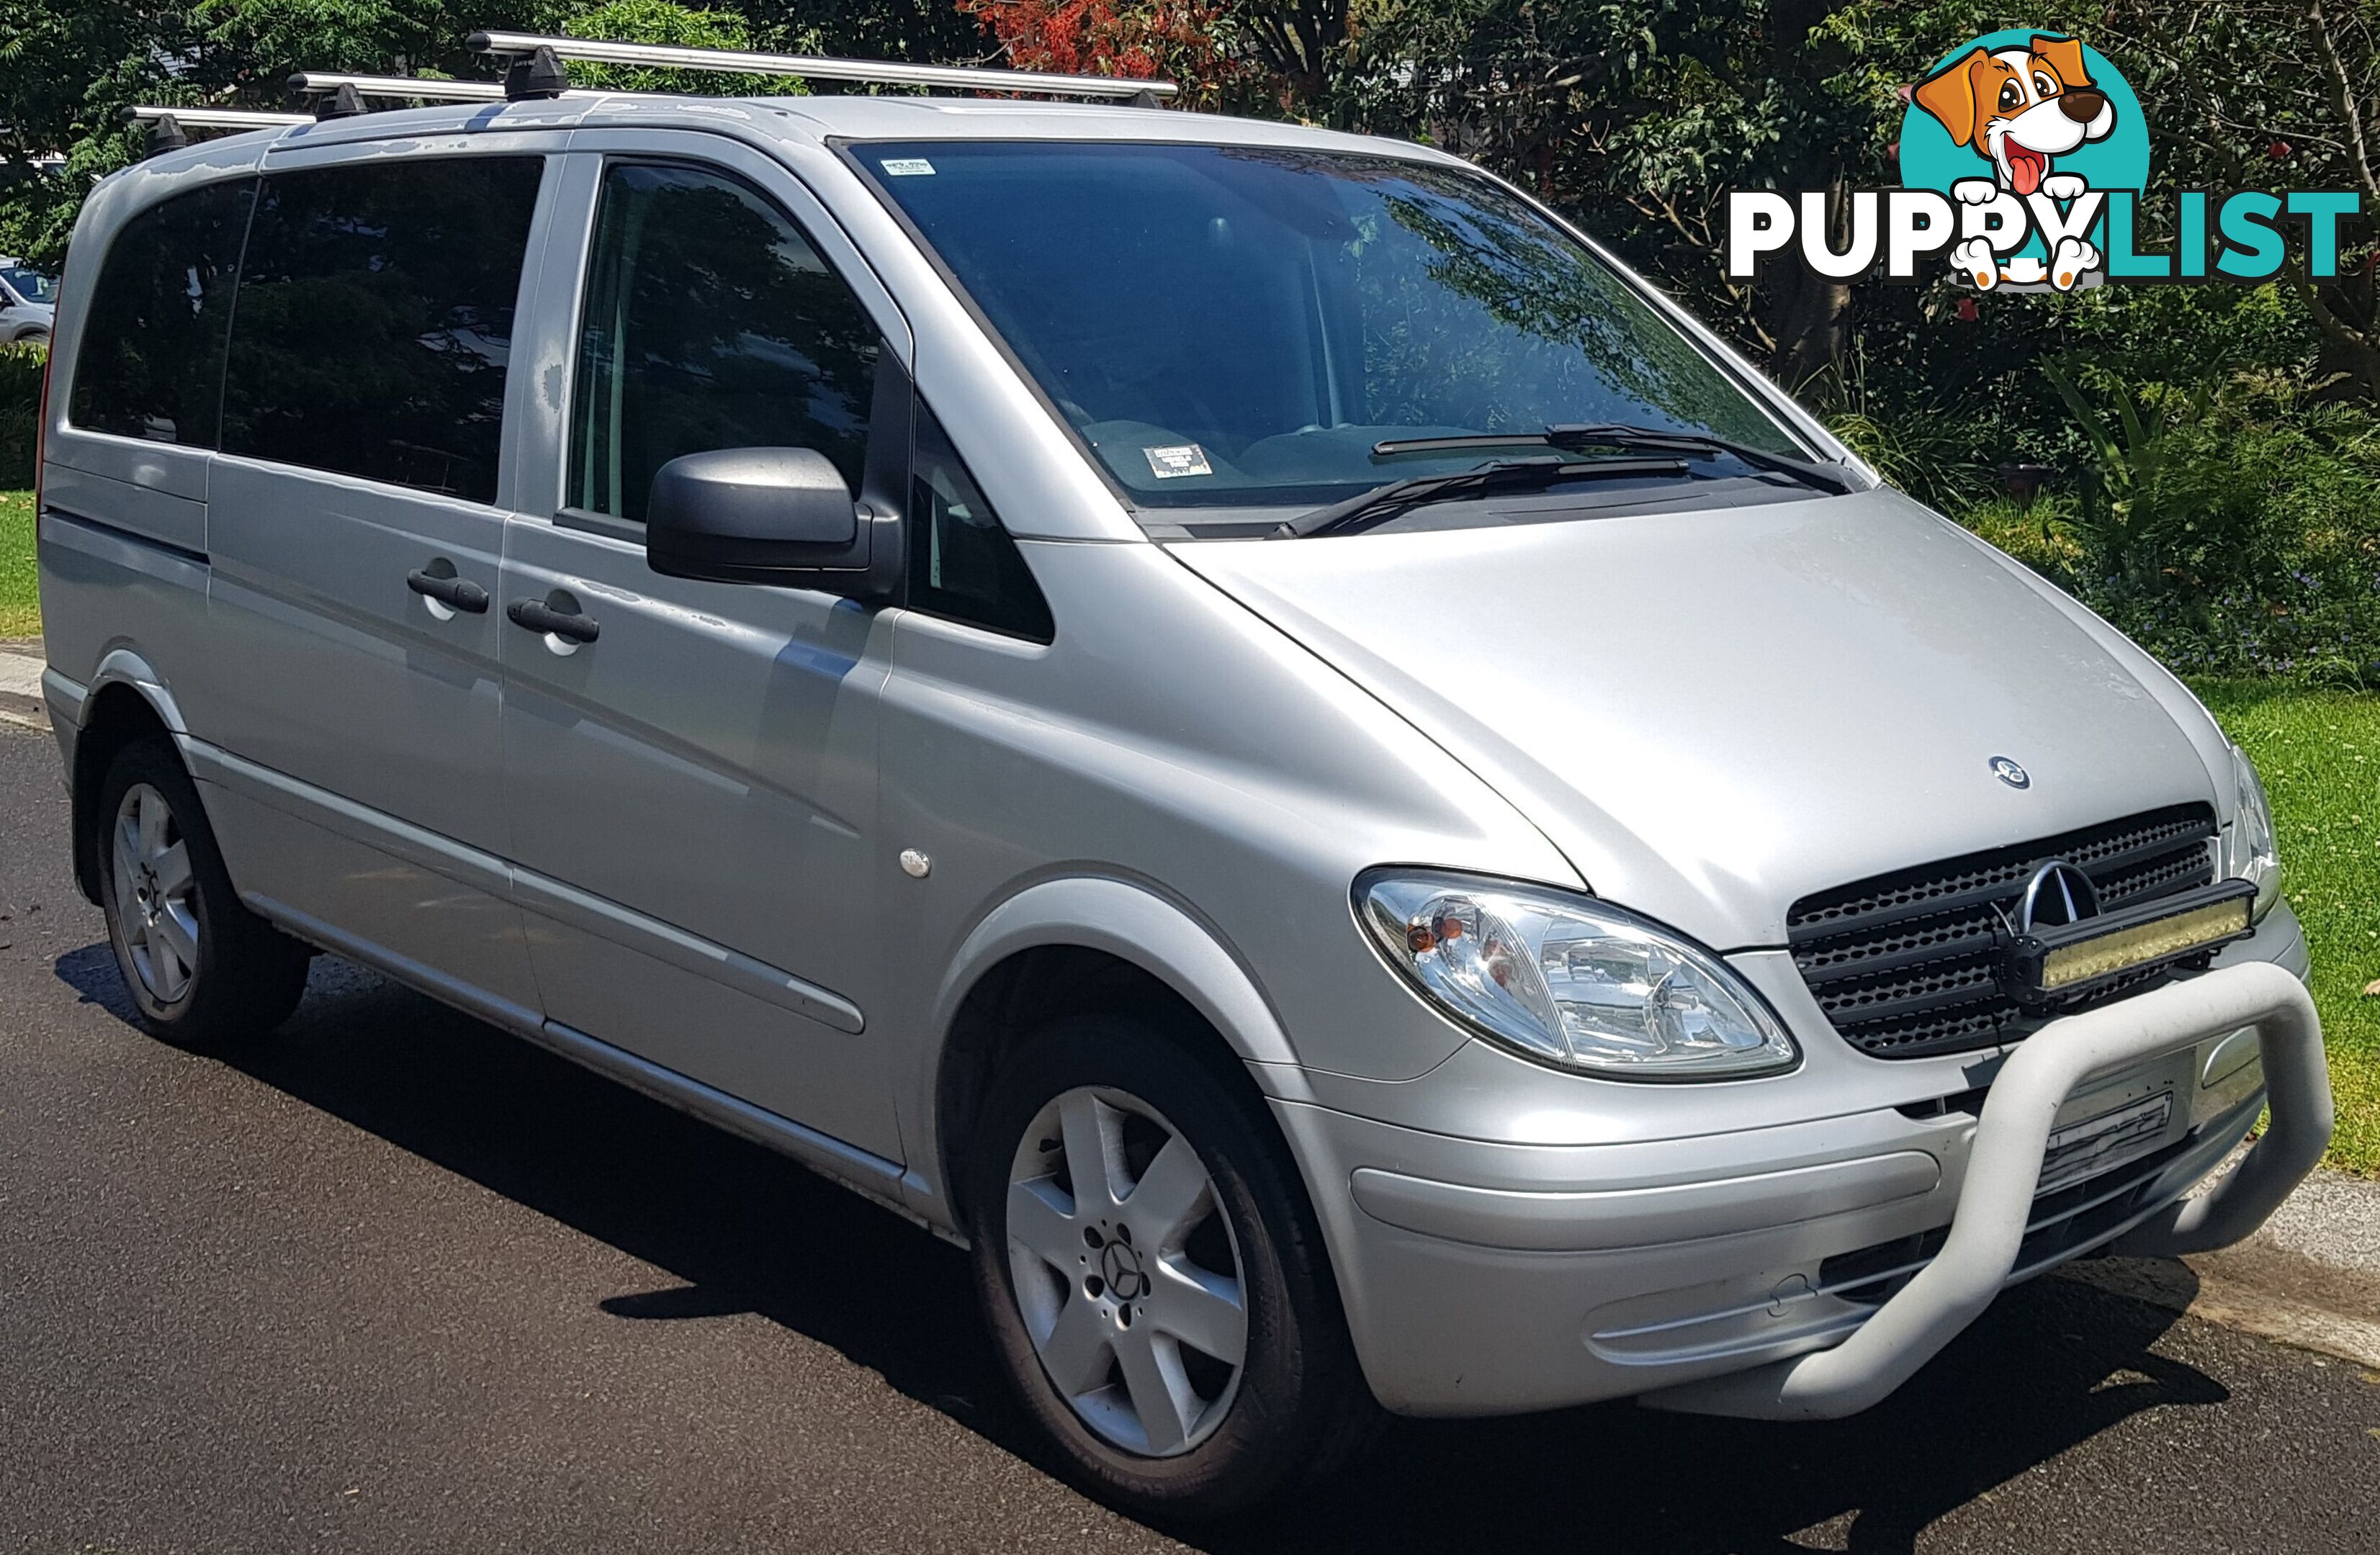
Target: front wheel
[1153,1277]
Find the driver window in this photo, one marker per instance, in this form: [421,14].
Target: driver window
[709,322]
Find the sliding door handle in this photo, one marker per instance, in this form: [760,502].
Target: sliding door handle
[455,594]
[540,617]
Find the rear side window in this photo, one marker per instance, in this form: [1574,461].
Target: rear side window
[710,322]
[152,357]
[375,317]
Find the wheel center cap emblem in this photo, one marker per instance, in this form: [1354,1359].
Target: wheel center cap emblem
[1120,1266]
[2009,772]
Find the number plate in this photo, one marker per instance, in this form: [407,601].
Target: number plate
[2080,1149]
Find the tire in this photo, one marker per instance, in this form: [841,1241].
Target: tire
[1159,1420]
[202,968]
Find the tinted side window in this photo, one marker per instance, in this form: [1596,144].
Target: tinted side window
[961,563]
[375,315]
[710,322]
[152,357]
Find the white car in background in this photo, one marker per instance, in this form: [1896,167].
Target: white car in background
[28,302]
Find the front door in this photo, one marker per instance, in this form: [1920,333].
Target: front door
[690,768]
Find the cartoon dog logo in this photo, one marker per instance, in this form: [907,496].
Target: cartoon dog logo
[2017,109]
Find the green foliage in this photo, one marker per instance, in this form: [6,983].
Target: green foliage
[20,398]
[663,21]
[67,67]
[1927,450]
[21,603]
[2319,754]
[2230,528]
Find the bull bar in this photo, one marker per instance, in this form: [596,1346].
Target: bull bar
[2004,1170]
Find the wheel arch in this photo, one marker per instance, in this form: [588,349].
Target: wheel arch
[1081,945]
[126,701]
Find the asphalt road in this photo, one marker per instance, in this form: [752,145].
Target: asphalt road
[394,1281]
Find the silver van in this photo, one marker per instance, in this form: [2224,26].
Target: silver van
[1236,717]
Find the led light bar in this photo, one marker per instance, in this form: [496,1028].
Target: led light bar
[408,86]
[736,62]
[2094,953]
[2121,951]
[216,119]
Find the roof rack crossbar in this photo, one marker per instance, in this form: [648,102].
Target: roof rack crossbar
[215,118]
[737,62]
[409,87]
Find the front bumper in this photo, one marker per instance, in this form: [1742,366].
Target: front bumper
[1807,1268]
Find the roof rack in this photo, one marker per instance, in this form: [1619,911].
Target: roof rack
[412,88]
[215,118]
[165,123]
[513,45]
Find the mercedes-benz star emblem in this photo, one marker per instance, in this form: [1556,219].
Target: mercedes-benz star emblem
[2059,894]
[2006,769]
[1120,1266]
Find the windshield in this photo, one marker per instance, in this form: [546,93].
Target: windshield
[31,284]
[1235,326]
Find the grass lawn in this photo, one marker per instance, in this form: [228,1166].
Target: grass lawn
[2319,752]
[20,612]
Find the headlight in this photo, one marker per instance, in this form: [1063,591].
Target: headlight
[2249,850]
[1570,981]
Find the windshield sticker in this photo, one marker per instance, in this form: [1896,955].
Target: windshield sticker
[1183,459]
[908,167]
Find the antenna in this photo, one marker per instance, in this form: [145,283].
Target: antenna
[518,46]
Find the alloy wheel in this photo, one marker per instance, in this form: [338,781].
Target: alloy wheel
[155,889]
[1126,1272]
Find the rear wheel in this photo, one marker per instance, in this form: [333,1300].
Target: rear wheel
[1153,1277]
[201,967]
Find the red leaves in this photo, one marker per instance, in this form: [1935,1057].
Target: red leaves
[1140,39]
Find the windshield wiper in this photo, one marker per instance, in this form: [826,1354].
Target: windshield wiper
[1384,502]
[1834,479]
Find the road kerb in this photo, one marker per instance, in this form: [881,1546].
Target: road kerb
[20,686]
[2180,1287]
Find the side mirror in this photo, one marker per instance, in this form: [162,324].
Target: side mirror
[766,515]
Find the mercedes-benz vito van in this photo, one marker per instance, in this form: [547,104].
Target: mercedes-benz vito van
[1235,717]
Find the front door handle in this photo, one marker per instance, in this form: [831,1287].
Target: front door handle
[540,617]
[455,594]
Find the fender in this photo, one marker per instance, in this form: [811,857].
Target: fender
[119,666]
[1134,925]
[127,667]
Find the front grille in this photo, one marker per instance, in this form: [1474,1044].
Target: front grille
[1907,964]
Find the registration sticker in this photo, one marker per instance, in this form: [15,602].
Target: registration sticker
[908,167]
[1182,459]
[2080,1149]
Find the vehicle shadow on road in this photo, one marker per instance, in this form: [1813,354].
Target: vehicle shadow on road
[2053,1364]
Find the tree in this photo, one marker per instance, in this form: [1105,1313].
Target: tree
[2276,93]
[69,68]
